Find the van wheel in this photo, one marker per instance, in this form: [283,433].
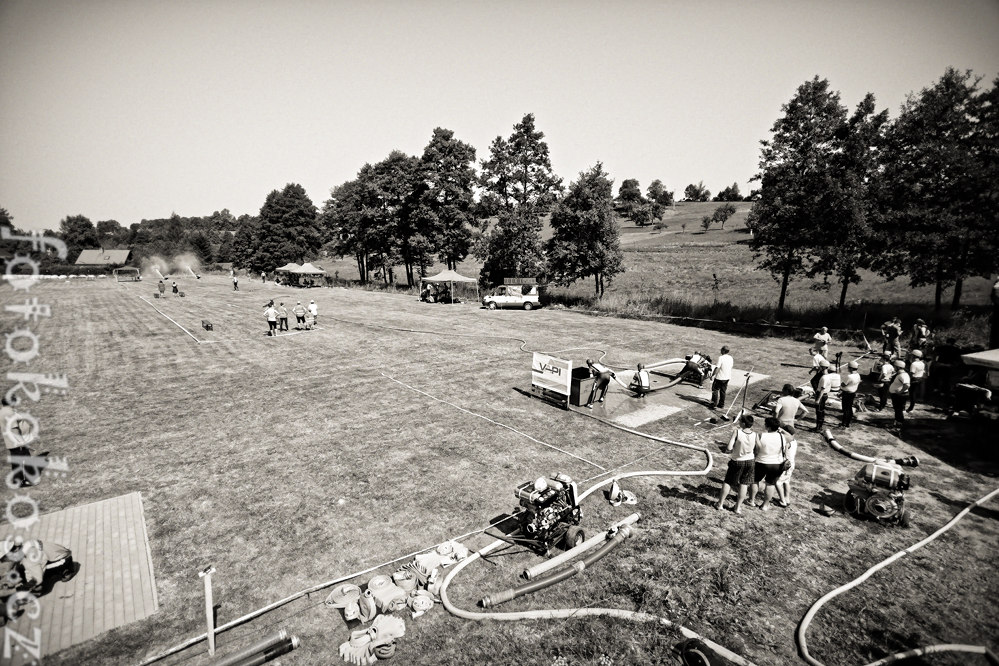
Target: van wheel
[528,305]
[492,305]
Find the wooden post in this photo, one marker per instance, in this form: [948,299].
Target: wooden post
[209,606]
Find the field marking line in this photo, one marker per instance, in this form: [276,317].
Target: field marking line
[486,418]
[175,323]
[257,337]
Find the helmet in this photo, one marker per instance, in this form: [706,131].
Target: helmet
[853,365]
[899,363]
[917,354]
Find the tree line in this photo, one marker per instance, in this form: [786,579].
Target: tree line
[914,198]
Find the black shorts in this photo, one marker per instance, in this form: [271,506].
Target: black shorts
[740,472]
[767,473]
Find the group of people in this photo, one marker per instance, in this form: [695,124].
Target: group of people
[766,458]
[162,287]
[277,317]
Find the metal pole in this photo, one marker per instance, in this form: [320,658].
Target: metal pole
[209,606]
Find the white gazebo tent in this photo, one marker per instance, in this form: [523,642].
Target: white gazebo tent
[309,269]
[450,277]
[290,267]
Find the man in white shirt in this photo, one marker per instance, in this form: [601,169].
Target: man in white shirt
[314,311]
[885,374]
[603,376]
[817,360]
[641,383]
[788,407]
[822,340]
[917,378]
[720,378]
[899,392]
[825,388]
[848,393]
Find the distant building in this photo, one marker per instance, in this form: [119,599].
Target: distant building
[100,257]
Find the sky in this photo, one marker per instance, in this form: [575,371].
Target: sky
[132,110]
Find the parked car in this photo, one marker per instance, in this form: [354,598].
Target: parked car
[512,296]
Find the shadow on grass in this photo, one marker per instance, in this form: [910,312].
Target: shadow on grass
[982,511]
[968,445]
[705,493]
[829,502]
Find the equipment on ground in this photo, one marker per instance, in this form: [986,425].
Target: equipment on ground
[695,371]
[877,491]
[549,515]
[126,274]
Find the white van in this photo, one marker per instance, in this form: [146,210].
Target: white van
[512,296]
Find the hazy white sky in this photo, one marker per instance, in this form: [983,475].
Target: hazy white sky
[127,110]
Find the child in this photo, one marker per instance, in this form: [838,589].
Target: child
[741,465]
[790,452]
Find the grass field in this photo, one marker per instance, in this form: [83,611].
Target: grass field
[291,461]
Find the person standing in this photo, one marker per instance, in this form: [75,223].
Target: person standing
[742,463]
[920,335]
[885,376]
[176,290]
[899,392]
[917,378]
[272,316]
[602,375]
[788,407]
[263,277]
[822,340]
[891,331]
[848,392]
[314,311]
[770,448]
[299,311]
[817,360]
[720,379]
[282,318]
[235,282]
[162,288]
[790,453]
[825,388]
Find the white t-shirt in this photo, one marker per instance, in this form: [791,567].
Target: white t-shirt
[313,308]
[826,383]
[901,383]
[787,408]
[271,314]
[744,446]
[724,369]
[822,340]
[852,383]
[641,379]
[769,451]
[917,369]
[817,360]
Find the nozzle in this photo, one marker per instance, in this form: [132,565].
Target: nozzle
[910,461]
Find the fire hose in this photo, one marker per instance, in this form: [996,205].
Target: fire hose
[532,573]
[910,461]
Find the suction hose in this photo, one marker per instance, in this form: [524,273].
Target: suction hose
[594,541]
[805,621]
[498,598]
[909,461]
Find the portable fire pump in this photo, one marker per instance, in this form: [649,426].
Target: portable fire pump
[877,491]
[550,513]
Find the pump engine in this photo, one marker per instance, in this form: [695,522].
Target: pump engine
[877,491]
[550,512]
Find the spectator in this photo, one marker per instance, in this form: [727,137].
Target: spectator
[899,392]
[788,407]
[770,448]
[917,379]
[848,393]
[920,336]
[720,378]
[825,388]
[162,288]
[891,333]
[603,376]
[784,480]
[176,290]
[641,383]
[235,282]
[822,340]
[282,318]
[885,375]
[741,464]
[314,311]
[263,277]
[272,316]
[299,311]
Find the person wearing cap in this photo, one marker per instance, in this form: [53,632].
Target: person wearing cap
[720,378]
[825,388]
[917,378]
[899,392]
[603,376]
[299,311]
[822,340]
[817,360]
[885,374]
[848,392]
[920,335]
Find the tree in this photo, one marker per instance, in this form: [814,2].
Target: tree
[519,187]
[448,203]
[730,193]
[288,229]
[658,193]
[111,234]
[585,240]
[794,173]
[629,198]
[722,213]
[245,250]
[940,191]
[79,233]
[697,192]
[201,246]
[706,222]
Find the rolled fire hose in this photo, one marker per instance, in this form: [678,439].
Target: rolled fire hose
[275,652]
[805,621]
[538,569]
[252,650]
[910,461]
[498,598]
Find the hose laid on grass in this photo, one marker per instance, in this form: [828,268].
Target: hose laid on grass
[933,649]
[532,573]
[497,598]
[807,619]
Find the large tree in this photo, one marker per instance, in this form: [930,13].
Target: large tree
[629,199]
[447,204]
[79,233]
[288,229]
[939,188]
[585,240]
[730,193]
[519,188]
[697,192]
[795,182]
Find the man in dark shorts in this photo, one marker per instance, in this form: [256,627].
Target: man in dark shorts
[603,376]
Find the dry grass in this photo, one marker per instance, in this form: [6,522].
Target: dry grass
[287,462]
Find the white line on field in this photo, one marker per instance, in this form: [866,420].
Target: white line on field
[486,418]
[175,323]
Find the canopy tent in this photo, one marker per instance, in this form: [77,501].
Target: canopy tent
[309,269]
[450,277]
[290,267]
